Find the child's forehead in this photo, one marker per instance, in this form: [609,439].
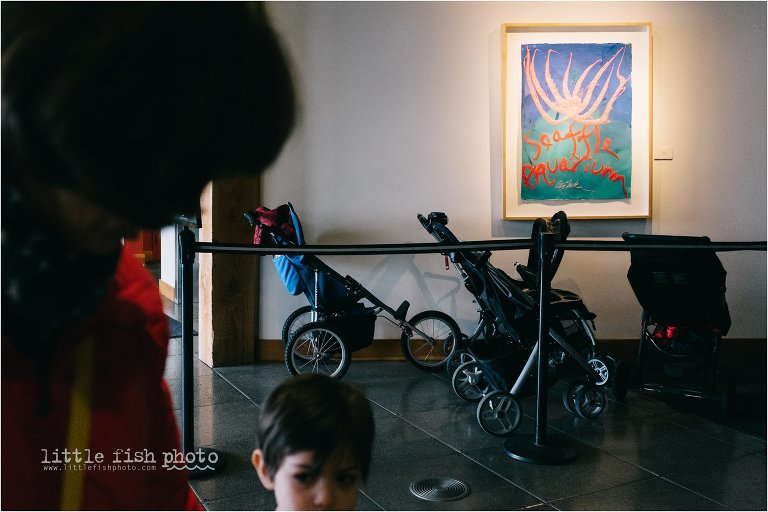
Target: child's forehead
[338,459]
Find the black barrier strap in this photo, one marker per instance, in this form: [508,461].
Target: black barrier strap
[350,250]
[592,245]
[431,248]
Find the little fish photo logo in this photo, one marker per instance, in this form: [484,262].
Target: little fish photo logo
[199,460]
[126,459]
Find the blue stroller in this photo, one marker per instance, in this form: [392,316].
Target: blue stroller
[320,337]
[495,365]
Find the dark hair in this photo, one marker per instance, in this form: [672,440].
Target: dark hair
[315,412]
[137,105]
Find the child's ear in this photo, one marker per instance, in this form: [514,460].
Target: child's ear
[257,459]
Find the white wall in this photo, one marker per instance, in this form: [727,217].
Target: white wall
[400,116]
[168,255]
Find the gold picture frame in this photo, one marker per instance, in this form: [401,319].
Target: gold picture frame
[577,122]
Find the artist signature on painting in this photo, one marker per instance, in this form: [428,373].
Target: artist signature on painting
[570,184]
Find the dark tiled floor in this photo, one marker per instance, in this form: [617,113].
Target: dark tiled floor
[643,454]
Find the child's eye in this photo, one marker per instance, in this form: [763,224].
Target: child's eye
[347,479]
[304,478]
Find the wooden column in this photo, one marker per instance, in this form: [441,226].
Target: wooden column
[228,307]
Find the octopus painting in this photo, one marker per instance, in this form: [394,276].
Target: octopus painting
[576,121]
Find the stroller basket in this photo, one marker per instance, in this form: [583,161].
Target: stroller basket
[356,329]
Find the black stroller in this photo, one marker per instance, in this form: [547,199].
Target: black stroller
[320,337]
[496,364]
[685,316]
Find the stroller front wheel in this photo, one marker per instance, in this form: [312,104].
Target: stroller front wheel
[589,401]
[499,413]
[456,359]
[315,348]
[429,339]
[296,320]
[569,396]
[468,382]
[601,369]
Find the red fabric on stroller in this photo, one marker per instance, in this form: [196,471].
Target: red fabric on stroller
[279,220]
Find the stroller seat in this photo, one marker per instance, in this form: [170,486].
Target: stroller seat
[559,226]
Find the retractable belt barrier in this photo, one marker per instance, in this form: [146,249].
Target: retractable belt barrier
[480,245]
[536,450]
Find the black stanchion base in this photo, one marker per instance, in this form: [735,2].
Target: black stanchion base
[555,451]
[206,462]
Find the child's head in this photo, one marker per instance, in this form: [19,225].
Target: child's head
[315,438]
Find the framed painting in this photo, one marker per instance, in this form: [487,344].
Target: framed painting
[576,127]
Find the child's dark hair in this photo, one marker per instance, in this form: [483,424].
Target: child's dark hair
[315,412]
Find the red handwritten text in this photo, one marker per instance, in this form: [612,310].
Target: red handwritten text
[581,158]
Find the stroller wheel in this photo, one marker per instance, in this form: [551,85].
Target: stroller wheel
[456,359]
[589,401]
[569,396]
[429,348]
[468,382]
[314,348]
[499,413]
[296,320]
[601,368]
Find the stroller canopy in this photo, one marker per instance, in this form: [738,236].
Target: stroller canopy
[279,226]
[679,287]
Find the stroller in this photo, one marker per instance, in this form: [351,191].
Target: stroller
[685,316]
[495,365]
[320,337]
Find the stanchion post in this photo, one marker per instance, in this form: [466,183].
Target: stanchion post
[545,244]
[537,449]
[203,461]
[186,261]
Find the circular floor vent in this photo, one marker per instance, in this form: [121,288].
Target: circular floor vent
[440,489]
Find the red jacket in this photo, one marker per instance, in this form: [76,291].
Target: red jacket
[103,442]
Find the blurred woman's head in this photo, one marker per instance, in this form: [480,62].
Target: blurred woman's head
[134,107]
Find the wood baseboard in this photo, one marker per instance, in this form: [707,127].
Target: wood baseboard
[625,349]
[379,350]
[166,290]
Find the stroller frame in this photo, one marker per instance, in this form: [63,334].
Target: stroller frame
[513,330]
[320,338]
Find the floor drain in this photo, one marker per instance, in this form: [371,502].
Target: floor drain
[440,489]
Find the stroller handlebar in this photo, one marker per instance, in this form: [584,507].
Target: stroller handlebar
[424,222]
[252,218]
[436,225]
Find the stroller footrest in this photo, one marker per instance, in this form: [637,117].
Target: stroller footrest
[402,311]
